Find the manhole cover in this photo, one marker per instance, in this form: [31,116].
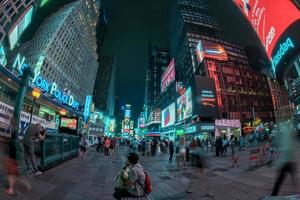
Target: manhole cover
[165,178]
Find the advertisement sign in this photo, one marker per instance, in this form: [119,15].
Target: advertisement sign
[6,113]
[155,116]
[87,107]
[168,76]
[141,121]
[168,116]
[269,19]
[206,49]
[206,100]
[233,123]
[69,123]
[185,105]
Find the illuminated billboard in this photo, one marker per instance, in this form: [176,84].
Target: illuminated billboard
[154,116]
[269,19]
[206,49]
[19,27]
[68,123]
[185,105]
[168,76]
[206,98]
[168,116]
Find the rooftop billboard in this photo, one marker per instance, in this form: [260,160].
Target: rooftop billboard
[206,49]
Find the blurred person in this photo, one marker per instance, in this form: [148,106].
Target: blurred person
[143,146]
[13,163]
[286,162]
[134,185]
[139,146]
[99,145]
[134,145]
[112,146]
[218,145]
[32,134]
[107,143]
[158,148]
[171,150]
[232,144]
[83,144]
[181,153]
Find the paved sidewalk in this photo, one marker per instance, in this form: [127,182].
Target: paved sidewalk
[93,179]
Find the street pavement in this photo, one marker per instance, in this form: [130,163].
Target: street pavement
[93,179]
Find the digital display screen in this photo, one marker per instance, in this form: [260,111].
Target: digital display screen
[185,105]
[20,26]
[269,19]
[68,123]
[168,116]
[168,76]
[206,49]
[206,97]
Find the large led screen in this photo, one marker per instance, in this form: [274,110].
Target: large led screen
[168,116]
[206,98]
[19,27]
[185,105]
[269,18]
[206,49]
[168,76]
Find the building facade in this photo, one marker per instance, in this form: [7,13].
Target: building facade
[65,48]
[158,60]
[104,90]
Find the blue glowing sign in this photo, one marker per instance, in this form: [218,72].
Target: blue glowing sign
[284,48]
[87,107]
[51,88]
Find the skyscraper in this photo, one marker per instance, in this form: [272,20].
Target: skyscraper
[158,60]
[66,49]
[189,20]
[104,90]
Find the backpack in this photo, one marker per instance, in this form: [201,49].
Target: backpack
[148,185]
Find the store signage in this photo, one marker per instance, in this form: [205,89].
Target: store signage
[284,48]
[207,128]
[191,129]
[233,123]
[51,88]
[87,107]
[179,132]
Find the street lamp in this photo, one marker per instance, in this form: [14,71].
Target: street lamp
[36,93]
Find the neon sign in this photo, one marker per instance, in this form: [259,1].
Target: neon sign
[87,106]
[284,48]
[51,88]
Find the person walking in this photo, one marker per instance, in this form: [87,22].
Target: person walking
[287,163]
[98,149]
[218,145]
[134,145]
[106,147]
[83,144]
[32,134]
[143,146]
[171,150]
[12,162]
[181,154]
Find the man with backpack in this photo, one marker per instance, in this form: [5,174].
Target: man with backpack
[137,183]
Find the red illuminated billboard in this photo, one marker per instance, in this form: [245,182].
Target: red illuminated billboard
[269,18]
[168,76]
[206,49]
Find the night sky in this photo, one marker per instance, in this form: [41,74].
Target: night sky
[132,22]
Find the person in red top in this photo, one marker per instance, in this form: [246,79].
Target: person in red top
[107,143]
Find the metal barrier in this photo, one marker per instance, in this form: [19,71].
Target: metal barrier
[56,148]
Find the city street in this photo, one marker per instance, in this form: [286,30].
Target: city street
[93,179]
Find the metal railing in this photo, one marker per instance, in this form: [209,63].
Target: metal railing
[56,148]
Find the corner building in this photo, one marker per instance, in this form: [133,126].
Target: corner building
[66,45]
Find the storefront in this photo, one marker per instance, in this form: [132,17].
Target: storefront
[203,131]
[228,127]
[168,135]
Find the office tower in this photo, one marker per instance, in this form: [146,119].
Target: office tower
[64,48]
[104,90]
[158,60]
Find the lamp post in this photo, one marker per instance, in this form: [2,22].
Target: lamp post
[36,93]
